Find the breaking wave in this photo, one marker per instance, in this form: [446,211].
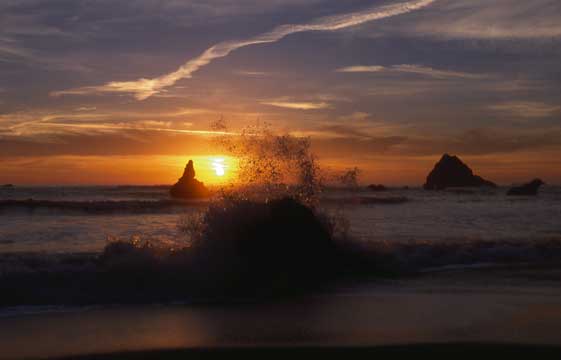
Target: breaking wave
[140,272]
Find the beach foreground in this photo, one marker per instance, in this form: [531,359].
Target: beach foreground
[473,308]
[455,350]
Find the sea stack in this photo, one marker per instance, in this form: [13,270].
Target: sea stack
[187,187]
[450,171]
[529,189]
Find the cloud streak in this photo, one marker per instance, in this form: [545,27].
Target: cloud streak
[297,105]
[484,19]
[145,88]
[412,69]
[527,109]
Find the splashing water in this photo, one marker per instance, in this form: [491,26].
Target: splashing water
[271,165]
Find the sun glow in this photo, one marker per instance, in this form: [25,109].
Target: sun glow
[212,169]
[219,167]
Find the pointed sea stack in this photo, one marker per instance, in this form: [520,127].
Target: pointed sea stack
[188,187]
[450,171]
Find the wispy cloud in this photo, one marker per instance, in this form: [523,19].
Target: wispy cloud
[297,105]
[435,73]
[144,126]
[527,109]
[484,19]
[252,73]
[11,52]
[145,88]
[86,108]
[31,123]
[362,69]
[412,69]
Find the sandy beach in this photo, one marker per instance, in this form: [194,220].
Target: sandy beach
[483,306]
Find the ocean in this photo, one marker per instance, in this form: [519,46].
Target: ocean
[478,266]
[82,219]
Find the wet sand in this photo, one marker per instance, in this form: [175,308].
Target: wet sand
[438,351]
[481,308]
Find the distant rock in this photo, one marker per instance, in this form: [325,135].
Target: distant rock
[450,171]
[8,186]
[530,188]
[188,187]
[377,188]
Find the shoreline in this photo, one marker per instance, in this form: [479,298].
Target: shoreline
[472,307]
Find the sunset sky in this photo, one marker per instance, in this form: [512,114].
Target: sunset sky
[112,92]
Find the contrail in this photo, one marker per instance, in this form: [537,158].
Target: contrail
[144,88]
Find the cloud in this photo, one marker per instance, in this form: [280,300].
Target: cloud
[155,126]
[484,19]
[252,73]
[527,109]
[361,69]
[86,108]
[297,105]
[145,88]
[435,73]
[474,142]
[412,69]
[48,125]
[11,52]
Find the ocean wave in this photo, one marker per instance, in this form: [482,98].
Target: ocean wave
[98,207]
[153,274]
[404,257]
[366,200]
[421,256]
[146,206]
[17,311]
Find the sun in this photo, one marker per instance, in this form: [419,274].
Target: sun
[219,167]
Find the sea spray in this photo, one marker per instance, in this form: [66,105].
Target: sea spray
[270,165]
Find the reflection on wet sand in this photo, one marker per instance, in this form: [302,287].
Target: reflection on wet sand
[385,316]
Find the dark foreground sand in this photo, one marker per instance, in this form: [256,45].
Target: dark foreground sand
[440,351]
[445,308]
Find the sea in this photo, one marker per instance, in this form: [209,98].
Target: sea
[66,219]
[486,270]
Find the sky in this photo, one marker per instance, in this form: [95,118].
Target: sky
[124,92]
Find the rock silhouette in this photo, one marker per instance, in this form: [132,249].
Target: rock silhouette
[530,188]
[377,188]
[188,187]
[450,171]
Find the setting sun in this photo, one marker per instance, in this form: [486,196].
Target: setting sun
[219,167]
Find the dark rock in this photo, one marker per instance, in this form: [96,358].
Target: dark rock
[188,187]
[8,186]
[450,171]
[377,188]
[530,188]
